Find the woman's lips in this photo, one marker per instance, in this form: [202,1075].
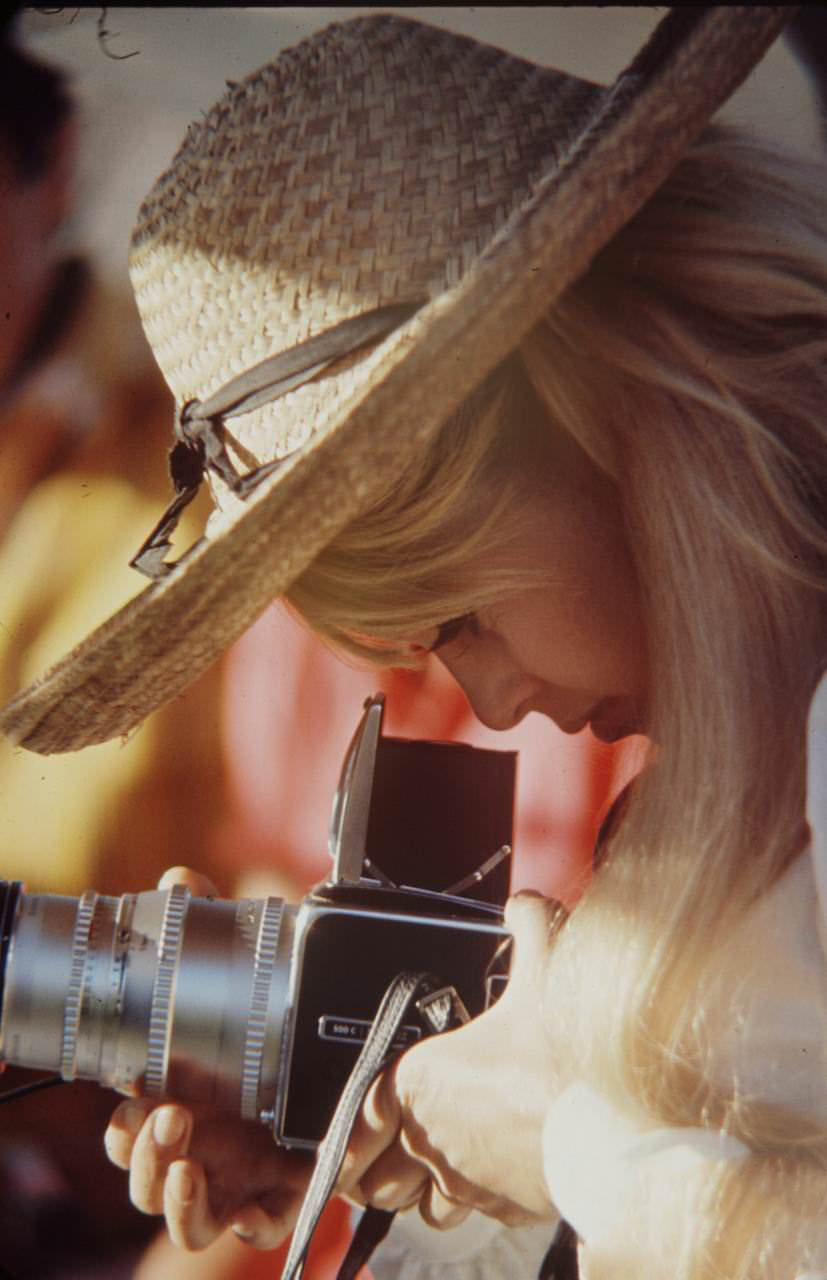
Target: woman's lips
[575,726]
[609,720]
[544,705]
[616,718]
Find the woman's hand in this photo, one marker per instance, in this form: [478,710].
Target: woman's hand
[456,1124]
[203,1170]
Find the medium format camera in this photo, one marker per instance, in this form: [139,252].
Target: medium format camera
[258,1006]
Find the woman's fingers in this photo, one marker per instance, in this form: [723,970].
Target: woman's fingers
[532,919]
[125,1124]
[380,1171]
[263,1229]
[163,1138]
[205,1172]
[440,1212]
[186,1206]
[375,1130]
[393,1181]
[197,884]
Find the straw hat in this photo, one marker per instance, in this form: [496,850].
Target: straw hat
[394,207]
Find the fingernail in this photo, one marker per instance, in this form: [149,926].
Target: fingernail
[243,1233]
[132,1118]
[168,1126]
[180,1183]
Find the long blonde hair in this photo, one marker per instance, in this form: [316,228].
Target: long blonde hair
[691,364]
[706,317]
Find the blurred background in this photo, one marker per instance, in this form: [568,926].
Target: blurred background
[236,777]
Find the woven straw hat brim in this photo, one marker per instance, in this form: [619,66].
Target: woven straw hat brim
[159,643]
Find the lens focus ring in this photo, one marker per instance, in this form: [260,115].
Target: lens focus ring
[74,991]
[265,958]
[169,947]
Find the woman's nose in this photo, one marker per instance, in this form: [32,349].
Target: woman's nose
[493,687]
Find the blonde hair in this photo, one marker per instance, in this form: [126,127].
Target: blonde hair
[690,362]
[424,553]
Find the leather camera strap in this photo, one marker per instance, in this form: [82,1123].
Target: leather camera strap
[440,1008]
[560,1263]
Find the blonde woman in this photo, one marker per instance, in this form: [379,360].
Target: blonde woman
[625,528]
[622,526]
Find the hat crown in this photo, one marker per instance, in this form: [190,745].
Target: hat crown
[220,287]
[370,164]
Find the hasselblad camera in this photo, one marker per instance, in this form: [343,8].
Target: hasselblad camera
[258,1006]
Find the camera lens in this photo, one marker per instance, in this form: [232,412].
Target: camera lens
[160,991]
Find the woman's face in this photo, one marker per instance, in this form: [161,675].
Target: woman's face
[573,648]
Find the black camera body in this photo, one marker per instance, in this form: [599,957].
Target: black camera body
[348,946]
[402,810]
[258,1006]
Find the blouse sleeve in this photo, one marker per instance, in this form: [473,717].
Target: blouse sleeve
[602,1164]
[480,1249]
[604,1174]
[596,1158]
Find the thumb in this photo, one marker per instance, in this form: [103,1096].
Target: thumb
[533,920]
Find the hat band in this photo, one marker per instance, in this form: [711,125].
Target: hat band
[199,425]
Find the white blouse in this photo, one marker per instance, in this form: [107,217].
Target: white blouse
[597,1159]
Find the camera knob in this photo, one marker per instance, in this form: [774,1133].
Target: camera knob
[169,948]
[263,965]
[74,992]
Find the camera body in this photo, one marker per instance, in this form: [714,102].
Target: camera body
[354,934]
[258,1006]
[348,946]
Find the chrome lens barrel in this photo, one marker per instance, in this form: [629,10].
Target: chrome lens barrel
[179,996]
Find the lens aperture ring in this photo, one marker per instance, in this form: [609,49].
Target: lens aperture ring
[265,959]
[169,948]
[74,992]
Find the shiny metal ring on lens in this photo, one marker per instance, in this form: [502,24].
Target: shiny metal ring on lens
[74,991]
[169,948]
[265,959]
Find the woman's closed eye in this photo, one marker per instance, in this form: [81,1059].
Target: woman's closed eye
[448,631]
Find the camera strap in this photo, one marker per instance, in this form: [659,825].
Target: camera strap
[440,1008]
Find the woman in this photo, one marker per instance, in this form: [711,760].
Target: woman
[622,525]
[639,546]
